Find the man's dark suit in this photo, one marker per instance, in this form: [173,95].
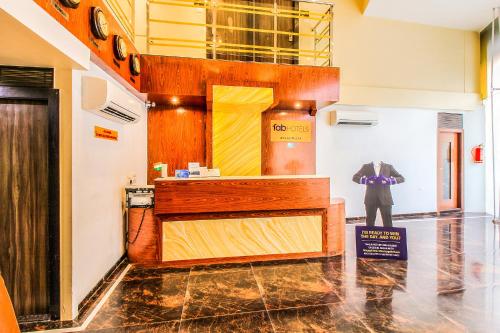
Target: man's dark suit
[378,196]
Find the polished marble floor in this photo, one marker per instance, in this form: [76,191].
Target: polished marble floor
[451,283]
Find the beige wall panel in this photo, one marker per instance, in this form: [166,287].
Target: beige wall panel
[176,31]
[186,240]
[392,54]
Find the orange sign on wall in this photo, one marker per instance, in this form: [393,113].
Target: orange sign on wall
[291,131]
[104,133]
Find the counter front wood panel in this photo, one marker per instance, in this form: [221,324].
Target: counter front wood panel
[202,196]
[335,227]
[202,239]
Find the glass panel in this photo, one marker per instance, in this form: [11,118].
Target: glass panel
[447,179]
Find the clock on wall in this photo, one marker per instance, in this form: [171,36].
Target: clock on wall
[120,47]
[135,65]
[70,3]
[99,23]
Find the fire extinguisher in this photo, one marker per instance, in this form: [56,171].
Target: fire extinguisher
[477,154]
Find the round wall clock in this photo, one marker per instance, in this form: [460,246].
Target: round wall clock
[70,3]
[99,23]
[120,48]
[135,65]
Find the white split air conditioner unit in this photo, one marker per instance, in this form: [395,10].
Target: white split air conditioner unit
[353,118]
[107,100]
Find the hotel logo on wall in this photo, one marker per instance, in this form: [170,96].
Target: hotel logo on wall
[291,131]
[106,134]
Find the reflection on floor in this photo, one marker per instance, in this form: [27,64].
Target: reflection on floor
[450,284]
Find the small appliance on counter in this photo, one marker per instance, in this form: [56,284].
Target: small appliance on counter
[139,196]
[162,167]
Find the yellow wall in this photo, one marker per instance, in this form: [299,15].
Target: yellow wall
[167,30]
[398,64]
[63,82]
[185,240]
[236,126]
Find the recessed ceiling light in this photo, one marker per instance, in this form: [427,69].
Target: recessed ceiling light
[174,100]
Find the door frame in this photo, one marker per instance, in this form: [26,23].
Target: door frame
[51,96]
[460,135]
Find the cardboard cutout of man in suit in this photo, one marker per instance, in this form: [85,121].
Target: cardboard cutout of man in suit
[378,179]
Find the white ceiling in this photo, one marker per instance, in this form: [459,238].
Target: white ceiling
[473,15]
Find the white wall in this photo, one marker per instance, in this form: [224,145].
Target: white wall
[405,138]
[474,174]
[100,170]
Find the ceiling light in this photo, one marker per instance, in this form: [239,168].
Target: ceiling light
[297,105]
[174,100]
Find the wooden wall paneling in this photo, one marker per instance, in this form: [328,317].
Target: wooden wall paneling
[226,195]
[283,158]
[183,76]
[77,21]
[176,136]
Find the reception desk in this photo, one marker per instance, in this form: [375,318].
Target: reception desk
[238,219]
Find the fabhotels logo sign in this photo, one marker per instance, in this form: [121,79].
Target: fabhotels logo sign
[290,131]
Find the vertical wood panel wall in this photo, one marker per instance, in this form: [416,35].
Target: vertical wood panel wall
[283,158]
[176,136]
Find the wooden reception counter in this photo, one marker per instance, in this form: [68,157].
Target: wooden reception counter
[237,219]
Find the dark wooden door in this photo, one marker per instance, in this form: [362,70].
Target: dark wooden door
[24,204]
[449,170]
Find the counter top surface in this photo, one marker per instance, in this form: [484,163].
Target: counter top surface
[244,177]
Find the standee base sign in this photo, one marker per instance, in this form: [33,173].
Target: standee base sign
[381,243]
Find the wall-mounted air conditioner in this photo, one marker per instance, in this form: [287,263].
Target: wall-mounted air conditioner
[353,118]
[107,100]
